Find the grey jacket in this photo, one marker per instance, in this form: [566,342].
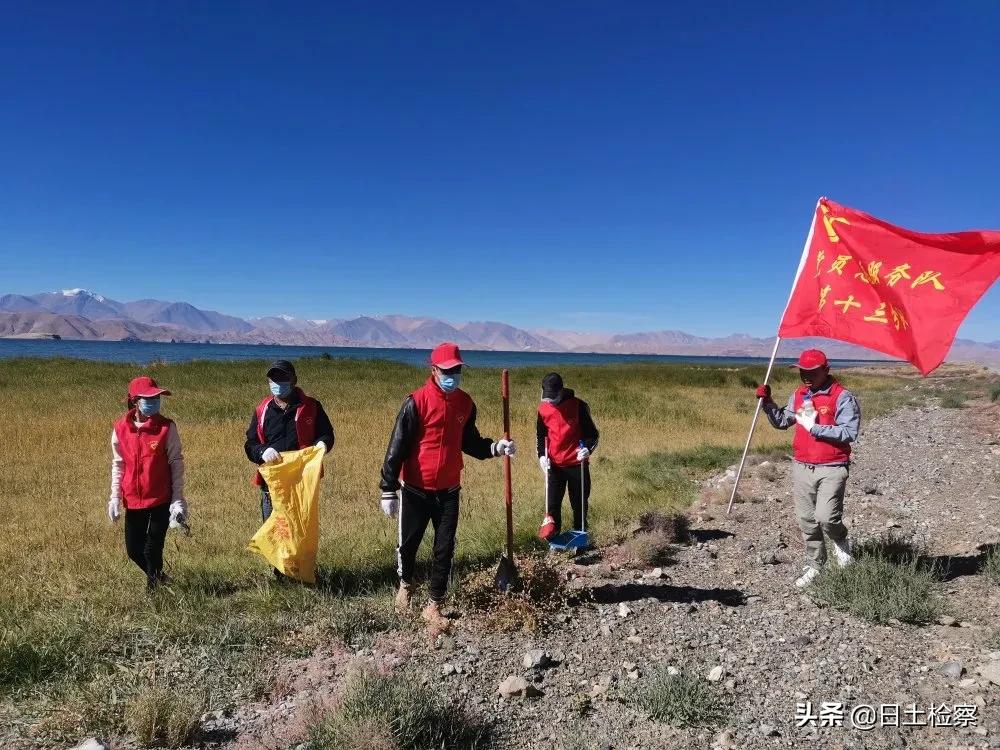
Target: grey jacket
[847,417]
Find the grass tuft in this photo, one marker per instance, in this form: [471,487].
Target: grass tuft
[887,581]
[396,712]
[954,400]
[991,566]
[650,550]
[161,717]
[683,700]
[357,623]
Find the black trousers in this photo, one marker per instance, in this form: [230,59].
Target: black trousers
[145,533]
[416,509]
[561,477]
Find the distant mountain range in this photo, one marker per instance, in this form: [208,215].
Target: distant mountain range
[81,314]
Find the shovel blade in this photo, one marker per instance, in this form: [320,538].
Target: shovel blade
[506,577]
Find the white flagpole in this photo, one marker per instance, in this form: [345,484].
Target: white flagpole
[753,425]
[774,354]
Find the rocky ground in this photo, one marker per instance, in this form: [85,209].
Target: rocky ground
[725,608]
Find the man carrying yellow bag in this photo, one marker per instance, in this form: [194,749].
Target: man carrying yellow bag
[289,537]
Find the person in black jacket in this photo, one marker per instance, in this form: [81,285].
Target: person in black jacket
[286,420]
[434,427]
[566,437]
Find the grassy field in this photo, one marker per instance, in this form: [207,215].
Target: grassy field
[82,641]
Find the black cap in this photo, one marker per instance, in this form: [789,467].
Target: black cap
[282,367]
[552,386]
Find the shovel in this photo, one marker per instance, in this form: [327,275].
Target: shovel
[506,577]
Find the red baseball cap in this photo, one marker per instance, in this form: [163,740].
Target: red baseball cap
[446,356]
[811,359]
[145,387]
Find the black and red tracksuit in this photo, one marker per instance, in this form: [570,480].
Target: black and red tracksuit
[560,429]
[432,431]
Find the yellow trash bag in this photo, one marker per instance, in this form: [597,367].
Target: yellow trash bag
[289,537]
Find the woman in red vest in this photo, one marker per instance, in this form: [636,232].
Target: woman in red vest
[827,419]
[147,476]
[435,426]
[566,436]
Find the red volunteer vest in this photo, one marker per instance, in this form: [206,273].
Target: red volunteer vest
[305,424]
[811,450]
[146,480]
[562,421]
[435,462]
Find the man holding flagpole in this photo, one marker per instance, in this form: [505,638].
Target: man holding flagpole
[827,418]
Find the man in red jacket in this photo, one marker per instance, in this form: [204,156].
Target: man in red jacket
[434,427]
[566,436]
[827,419]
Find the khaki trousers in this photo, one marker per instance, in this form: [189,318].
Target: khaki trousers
[819,507]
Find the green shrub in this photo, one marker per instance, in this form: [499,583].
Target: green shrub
[995,392]
[682,699]
[396,712]
[887,581]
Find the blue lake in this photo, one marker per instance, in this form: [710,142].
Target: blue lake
[143,352]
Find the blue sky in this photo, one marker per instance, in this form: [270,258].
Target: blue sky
[585,165]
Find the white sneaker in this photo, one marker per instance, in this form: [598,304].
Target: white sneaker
[842,554]
[807,577]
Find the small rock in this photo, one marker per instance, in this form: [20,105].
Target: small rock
[991,672]
[947,621]
[951,669]
[716,674]
[634,639]
[517,687]
[624,610]
[656,573]
[767,730]
[673,670]
[91,744]
[724,741]
[448,670]
[536,659]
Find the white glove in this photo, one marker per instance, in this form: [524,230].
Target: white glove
[544,464]
[325,448]
[808,421]
[390,503]
[178,513]
[271,456]
[114,509]
[582,454]
[504,447]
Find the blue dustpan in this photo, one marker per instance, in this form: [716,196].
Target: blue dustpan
[572,539]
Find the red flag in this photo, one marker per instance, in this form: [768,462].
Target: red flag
[903,293]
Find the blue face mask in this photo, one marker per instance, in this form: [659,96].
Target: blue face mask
[449,383]
[281,390]
[149,406]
